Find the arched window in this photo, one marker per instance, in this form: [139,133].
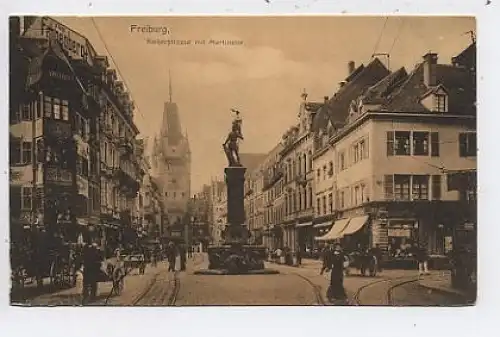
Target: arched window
[310,196]
[310,161]
[299,164]
[304,163]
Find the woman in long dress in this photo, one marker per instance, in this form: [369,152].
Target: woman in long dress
[334,262]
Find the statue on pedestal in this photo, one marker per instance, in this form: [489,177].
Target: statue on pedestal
[230,146]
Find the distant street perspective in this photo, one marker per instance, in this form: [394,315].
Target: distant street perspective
[324,179]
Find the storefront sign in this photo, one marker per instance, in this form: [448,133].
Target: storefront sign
[399,232]
[76,45]
[59,76]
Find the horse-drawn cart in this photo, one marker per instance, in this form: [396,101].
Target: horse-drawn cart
[133,261]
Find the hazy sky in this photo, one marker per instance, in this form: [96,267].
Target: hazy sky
[264,77]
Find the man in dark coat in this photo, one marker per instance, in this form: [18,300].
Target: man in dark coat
[182,254]
[91,268]
[171,255]
[334,261]
[422,259]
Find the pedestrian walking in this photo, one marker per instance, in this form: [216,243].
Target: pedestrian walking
[92,260]
[422,259]
[171,256]
[334,262]
[182,254]
[298,255]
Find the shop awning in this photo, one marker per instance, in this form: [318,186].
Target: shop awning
[305,224]
[355,224]
[337,230]
[323,224]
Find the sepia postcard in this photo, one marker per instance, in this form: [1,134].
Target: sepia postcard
[260,160]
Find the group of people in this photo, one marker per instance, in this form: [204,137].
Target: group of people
[181,250]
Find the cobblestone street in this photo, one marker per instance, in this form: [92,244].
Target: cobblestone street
[293,286]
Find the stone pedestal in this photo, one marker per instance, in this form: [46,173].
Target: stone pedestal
[236,256]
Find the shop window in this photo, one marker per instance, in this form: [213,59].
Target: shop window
[467,144]
[57,108]
[420,187]
[436,187]
[65,110]
[402,187]
[420,143]
[26,197]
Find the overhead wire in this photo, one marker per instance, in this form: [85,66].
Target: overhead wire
[108,51]
[379,37]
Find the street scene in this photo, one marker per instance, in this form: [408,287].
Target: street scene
[194,161]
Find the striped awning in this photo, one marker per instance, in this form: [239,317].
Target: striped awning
[355,224]
[336,232]
[305,224]
[323,224]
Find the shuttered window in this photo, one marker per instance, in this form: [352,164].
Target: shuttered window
[436,187]
[389,187]
[434,144]
[390,143]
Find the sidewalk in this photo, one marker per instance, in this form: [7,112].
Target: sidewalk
[440,281]
[134,286]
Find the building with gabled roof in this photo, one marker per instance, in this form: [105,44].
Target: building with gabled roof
[390,160]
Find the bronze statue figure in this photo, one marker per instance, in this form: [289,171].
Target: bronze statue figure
[230,146]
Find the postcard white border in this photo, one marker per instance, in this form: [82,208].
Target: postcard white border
[299,321]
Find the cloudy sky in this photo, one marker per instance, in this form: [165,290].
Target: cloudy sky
[263,77]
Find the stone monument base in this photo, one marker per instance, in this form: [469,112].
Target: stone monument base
[236,259]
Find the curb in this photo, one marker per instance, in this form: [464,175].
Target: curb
[444,291]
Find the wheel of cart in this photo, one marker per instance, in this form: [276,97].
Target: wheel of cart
[118,279]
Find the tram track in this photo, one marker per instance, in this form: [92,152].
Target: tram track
[316,288]
[388,293]
[156,293]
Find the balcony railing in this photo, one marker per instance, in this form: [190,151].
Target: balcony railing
[301,179]
[59,175]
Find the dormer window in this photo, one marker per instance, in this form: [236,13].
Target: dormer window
[440,102]
[435,99]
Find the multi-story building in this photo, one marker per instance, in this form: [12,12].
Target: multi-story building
[254,198]
[172,166]
[218,191]
[54,140]
[331,117]
[296,160]
[84,133]
[200,214]
[273,202]
[391,158]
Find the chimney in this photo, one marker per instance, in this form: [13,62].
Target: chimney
[350,67]
[325,99]
[341,84]
[430,61]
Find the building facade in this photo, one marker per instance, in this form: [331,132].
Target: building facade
[273,199]
[417,127]
[75,167]
[218,191]
[296,162]
[172,166]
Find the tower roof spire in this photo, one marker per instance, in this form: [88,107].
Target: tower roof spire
[169,86]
